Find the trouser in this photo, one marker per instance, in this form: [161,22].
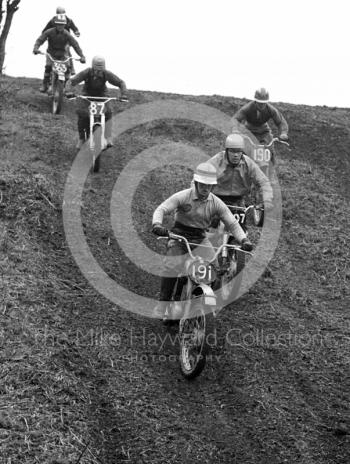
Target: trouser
[84,124]
[202,248]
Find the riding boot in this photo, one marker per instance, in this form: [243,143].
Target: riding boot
[46,80]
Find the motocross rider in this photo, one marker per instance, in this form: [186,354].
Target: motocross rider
[236,173]
[255,116]
[95,79]
[58,38]
[70,26]
[194,210]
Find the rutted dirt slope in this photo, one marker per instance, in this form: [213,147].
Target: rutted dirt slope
[82,379]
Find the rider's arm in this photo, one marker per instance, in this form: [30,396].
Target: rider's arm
[115,80]
[40,40]
[279,120]
[72,26]
[49,25]
[75,44]
[241,114]
[167,207]
[80,77]
[229,220]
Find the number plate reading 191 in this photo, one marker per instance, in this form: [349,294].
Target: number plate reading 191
[202,272]
[262,154]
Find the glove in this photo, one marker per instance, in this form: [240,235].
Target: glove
[83,59]
[268,206]
[284,137]
[36,52]
[77,34]
[124,99]
[246,245]
[158,229]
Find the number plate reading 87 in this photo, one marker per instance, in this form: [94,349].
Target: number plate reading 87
[262,154]
[96,108]
[200,272]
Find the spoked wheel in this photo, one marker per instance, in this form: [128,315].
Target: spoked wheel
[194,343]
[258,211]
[57,96]
[230,281]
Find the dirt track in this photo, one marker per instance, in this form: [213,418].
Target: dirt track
[84,378]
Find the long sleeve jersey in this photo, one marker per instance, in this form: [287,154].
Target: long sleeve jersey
[95,85]
[57,41]
[194,212]
[70,26]
[237,181]
[256,120]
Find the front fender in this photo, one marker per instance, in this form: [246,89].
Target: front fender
[207,292]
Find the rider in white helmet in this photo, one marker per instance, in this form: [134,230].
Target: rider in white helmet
[236,173]
[194,209]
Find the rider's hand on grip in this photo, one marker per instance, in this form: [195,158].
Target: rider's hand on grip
[77,34]
[124,99]
[83,59]
[36,52]
[284,137]
[158,229]
[246,245]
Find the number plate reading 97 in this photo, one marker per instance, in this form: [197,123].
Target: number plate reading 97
[262,155]
[202,272]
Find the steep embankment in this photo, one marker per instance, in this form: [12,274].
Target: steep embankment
[82,379]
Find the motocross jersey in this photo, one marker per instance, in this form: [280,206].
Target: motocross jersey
[70,26]
[193,212]
[237,180]
[95,85]
[256,120]
[57,41]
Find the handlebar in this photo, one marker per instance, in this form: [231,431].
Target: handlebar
[268,145]
[180,238]
[101,99]
[59,61]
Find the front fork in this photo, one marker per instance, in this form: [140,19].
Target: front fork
[94,123]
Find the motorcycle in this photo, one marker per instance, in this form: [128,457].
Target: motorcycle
[199,308]
[231,259]
[97,118]
[58,78]
[263,156]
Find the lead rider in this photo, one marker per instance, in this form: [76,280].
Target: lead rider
[195,208]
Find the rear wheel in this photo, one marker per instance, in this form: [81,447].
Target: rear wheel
[57,96]
[194,336]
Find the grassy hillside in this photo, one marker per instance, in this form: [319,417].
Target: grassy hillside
[81,380]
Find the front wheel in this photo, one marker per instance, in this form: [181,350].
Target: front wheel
[194,336]
[96,150]
[57,96]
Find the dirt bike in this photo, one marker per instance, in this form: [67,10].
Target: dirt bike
[231,259]
[58,81]
[199,308]
[97,118]
[264,158]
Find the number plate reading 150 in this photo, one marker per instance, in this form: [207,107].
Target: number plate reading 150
[262,154]
[202,272]
[96,108]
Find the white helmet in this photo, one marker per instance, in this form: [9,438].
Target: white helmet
[205,173]
[235,141]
